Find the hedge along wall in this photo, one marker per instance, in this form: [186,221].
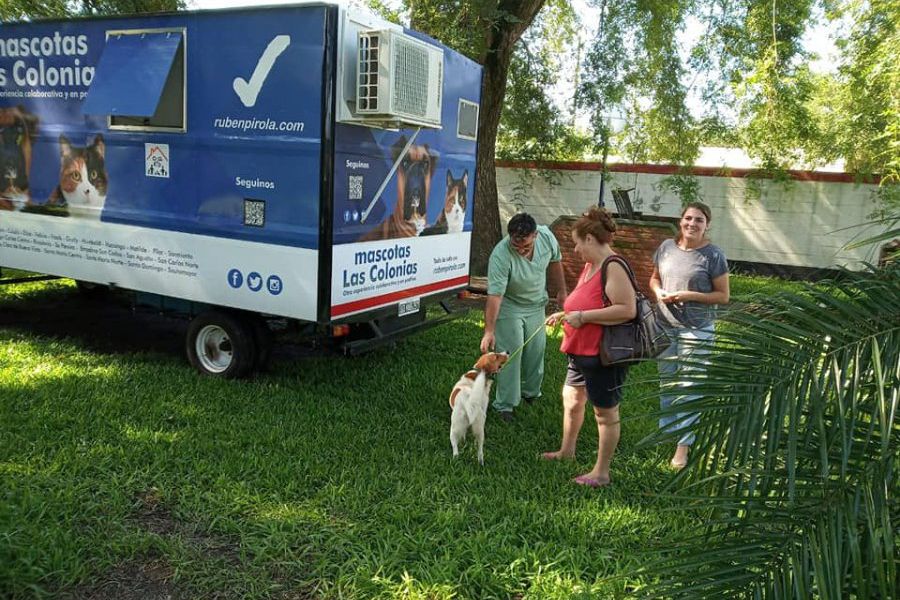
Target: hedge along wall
[797,224]
[635,240]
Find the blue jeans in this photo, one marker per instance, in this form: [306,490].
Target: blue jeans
[684,345]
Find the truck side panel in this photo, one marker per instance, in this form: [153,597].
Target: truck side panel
[414,239]
[223,209]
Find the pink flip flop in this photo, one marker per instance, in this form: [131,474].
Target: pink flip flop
[589,482]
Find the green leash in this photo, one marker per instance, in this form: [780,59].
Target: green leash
[531,337]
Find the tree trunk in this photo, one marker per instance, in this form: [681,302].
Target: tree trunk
[502,38]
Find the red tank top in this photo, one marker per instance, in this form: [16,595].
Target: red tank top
[587,295]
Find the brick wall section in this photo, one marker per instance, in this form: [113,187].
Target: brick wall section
[635,240]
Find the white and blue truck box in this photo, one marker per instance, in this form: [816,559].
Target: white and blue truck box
[303,164]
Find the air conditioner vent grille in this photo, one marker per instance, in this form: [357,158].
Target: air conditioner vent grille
[399,80]
[367,86]
[411,78]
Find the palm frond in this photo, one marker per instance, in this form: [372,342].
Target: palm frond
[794,467]
[891,233]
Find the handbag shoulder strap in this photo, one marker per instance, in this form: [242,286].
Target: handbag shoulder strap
[625,265]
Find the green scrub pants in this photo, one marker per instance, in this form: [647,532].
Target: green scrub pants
[522,376]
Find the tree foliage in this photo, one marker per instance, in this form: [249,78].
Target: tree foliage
[745,81]
[771,97]
[634,76]
[532,127]
[17,10]
[858,108]
[633,73]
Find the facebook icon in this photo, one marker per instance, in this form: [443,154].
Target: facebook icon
[235,278]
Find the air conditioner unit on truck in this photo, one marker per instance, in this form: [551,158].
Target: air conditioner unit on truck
[303,164]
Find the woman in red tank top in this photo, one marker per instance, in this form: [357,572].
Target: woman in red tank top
[583,319]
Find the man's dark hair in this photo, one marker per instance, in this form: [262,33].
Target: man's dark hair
[520,225]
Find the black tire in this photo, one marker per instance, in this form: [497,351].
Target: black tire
[221,344]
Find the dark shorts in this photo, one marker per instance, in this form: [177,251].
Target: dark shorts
[604,384]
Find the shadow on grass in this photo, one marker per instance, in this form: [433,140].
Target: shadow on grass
[99,324]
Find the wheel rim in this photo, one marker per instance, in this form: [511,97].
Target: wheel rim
[214,349]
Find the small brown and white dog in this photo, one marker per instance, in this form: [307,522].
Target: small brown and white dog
[469,401]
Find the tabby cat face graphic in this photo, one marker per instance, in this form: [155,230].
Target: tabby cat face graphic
[455,202]
[82,178]
[453,217]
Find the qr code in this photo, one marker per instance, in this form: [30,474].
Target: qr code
[355,187]
[254,212]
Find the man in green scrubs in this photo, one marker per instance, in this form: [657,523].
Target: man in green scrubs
[517,296]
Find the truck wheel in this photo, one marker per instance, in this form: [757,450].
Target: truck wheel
[221,344]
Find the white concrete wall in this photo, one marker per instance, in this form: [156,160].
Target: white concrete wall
[798,224]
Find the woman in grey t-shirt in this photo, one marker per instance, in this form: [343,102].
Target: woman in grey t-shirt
[690,278]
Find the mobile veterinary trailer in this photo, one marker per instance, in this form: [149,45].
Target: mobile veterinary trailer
[303,163]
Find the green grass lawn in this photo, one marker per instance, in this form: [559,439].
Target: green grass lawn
[124,474]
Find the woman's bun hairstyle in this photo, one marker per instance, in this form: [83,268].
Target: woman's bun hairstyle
[598,222]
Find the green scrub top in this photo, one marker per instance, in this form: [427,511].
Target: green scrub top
[522,282]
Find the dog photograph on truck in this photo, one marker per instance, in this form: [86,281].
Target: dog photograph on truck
[314,170]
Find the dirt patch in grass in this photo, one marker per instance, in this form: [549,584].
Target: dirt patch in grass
[149,578]
[154,516]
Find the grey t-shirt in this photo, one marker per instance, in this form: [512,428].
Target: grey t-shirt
[692,270]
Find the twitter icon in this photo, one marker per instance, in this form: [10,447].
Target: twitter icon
[254,281]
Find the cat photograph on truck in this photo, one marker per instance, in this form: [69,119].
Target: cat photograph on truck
[314,176]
